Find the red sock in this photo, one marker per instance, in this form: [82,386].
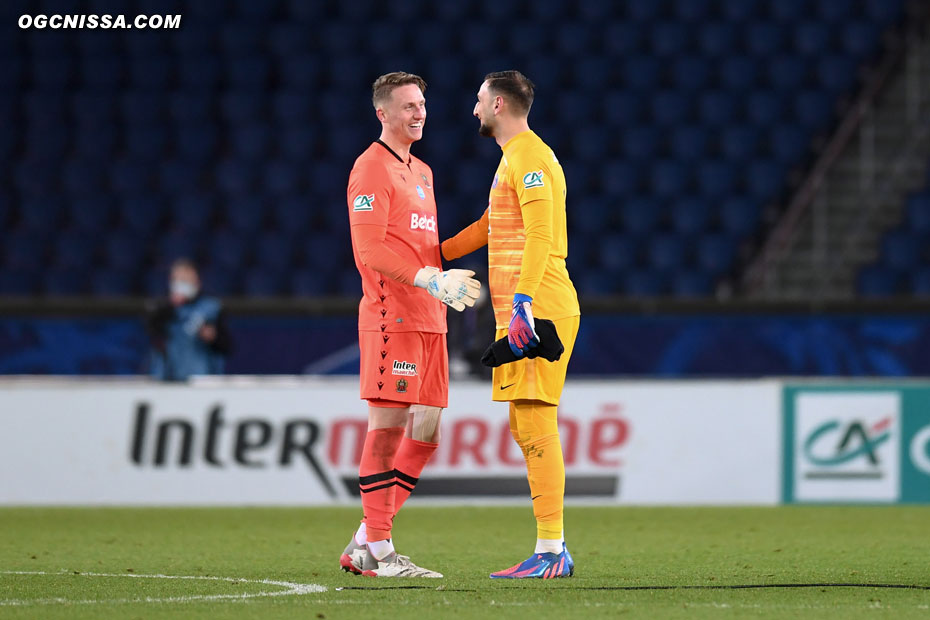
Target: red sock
[411,459]
[376,480]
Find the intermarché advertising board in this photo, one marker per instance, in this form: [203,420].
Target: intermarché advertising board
[298,442]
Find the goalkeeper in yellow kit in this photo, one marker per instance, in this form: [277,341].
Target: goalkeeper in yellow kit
[524,229]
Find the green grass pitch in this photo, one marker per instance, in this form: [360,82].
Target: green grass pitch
[631,562]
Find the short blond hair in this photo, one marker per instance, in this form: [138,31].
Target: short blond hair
[385,85]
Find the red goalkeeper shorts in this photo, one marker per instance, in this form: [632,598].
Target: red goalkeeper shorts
[407,368]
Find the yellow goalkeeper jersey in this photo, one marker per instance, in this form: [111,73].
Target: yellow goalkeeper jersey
[527,239]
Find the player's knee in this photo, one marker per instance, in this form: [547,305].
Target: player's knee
[424,423]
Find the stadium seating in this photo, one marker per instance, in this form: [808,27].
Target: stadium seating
[230,140]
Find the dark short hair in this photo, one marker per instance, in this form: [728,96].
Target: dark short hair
[513,86]
[385,85]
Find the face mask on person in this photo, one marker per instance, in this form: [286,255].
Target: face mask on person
[183,288]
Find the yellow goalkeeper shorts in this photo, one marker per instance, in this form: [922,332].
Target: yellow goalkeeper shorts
[536,379]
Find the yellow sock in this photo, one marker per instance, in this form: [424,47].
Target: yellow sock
[535,428]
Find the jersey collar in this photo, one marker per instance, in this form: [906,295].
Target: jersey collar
[391,151]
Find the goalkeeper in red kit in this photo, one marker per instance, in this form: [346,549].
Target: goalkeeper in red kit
[404,366]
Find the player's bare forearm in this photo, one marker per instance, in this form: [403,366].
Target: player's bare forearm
[472,238]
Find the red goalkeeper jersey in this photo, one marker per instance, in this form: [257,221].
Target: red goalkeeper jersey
[392,213]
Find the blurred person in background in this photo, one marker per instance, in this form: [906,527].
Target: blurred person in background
[525,231]
[187,330]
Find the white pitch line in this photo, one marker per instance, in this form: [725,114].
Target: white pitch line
[290,589]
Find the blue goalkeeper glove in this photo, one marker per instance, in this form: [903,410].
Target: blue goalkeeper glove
[521,335]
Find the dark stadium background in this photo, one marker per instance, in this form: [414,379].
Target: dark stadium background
[696,136]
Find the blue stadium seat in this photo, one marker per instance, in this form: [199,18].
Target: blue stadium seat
[130,176]
[670,107]
[52,72]
[597,283]
[150,73]
[739,142]
[715,254]
[287,39]
[738,10]
[716,107]
[666,252]
[691,10]
[689,142]
[195,141]
[689,215]
[349,283]
[228,250]
[441,40]
[641,215]
[18,283]
[41,214]
[191,213]
[245,214]
[290,107]
[92,214]
[90,105]
[787,73]
[192,107]
[642,73]
[837,72]
[716,178]
[142,213]
[716,39]
[82,177]
[237,37]
[787,10]
[308,283]
[241,106]
[919,284]
[23,251]
[34,177]
[669,38]
[112,283]
[860,38]
[594,72]
[193,40]
[589,142]
[764,180]
[301,73]
[247,72]
[642,10]
[901,250]
[235,176]
[833,11]
[64,282]
[274,252]
[141,107]
[644,283]
[280,178]
[690,73]
[691,284]
[178,244]
[738,73]
[668,178]
[103,73]
[764,107]
[178,176]
[788,143]
[46,143]
[619,178]
[220,280]
[763,38]
[877,281]
[547,71]
[622,38]
[811,38]
[146,142]
[259,282]
[882,11]
[590,215]
[640,143]
[617,253]
[572,40]
[297,142]
[622,108]
[124,250]
[814,109]
[250,141]
[76,249]
[739,216]
[94,141]
[918,213]
[595,11]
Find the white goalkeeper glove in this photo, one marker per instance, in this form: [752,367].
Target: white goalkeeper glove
[455,287]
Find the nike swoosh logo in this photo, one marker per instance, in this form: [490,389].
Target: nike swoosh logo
[533,498]
[504,387]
